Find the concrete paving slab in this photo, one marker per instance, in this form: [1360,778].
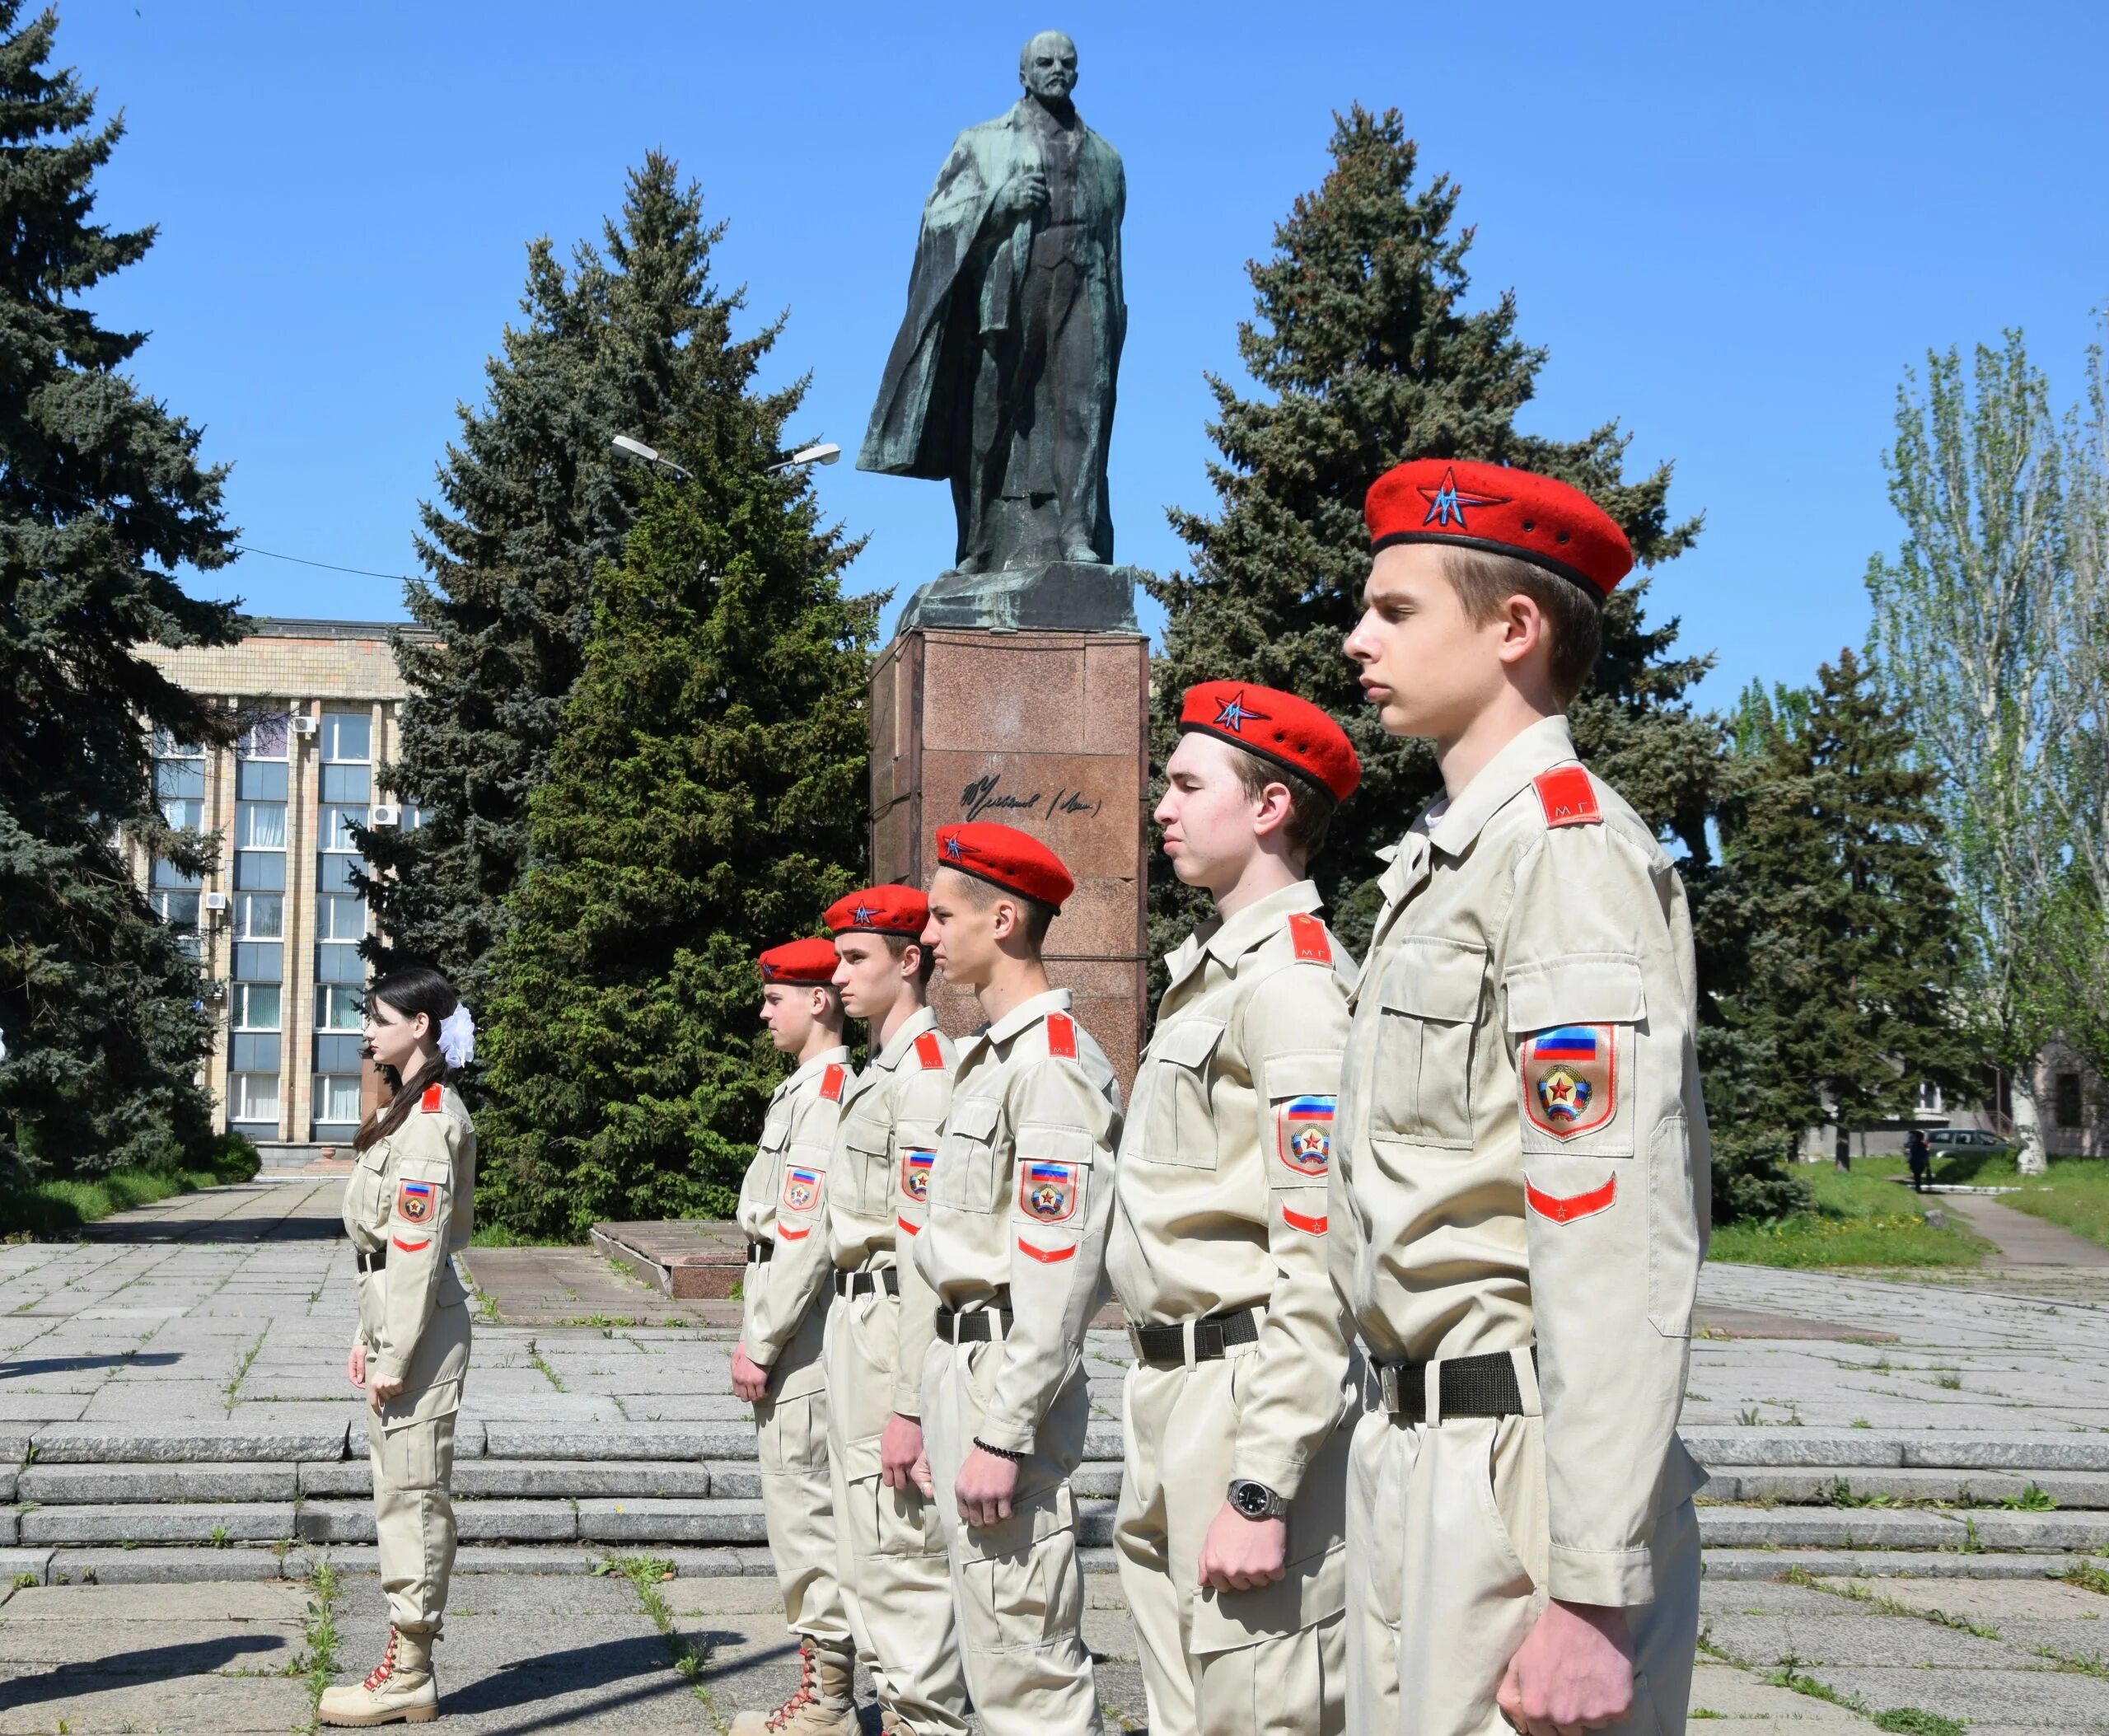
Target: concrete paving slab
[2056,1699]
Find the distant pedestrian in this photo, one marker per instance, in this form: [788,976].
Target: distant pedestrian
[410,1206]
[1917,1154]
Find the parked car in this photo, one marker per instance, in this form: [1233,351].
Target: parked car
[1951,1142]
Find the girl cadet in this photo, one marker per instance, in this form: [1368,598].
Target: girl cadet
[410,1206]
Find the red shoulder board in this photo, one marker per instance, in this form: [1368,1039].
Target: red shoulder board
[1062,1037]
[430,1102]
[1567,797]
[831,1082]
[928,1052]
[1313,947]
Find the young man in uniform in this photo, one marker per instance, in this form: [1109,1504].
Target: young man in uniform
[1232,1509]
[777,1367]
[1519,1191]
[883,1313]
[1014,1247]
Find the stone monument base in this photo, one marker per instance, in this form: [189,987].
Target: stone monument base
[1056,596]
[1045,731]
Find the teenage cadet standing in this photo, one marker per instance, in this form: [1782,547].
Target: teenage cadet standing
[1232,1508]
[408,1206]
[883,1313]
[1519,1194]
[778,1367]
[1014,1245]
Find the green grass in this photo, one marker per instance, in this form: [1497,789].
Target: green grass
[318,1662]
[646,1574]
[1860,1219]
[2075,1193]
[46,1210]
[497,1235]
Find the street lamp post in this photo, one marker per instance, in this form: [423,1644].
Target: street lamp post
[802,457]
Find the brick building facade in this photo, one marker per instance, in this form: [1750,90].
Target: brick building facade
[276,925]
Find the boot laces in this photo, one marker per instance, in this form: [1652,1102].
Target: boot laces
[803,1697]
[387,1668]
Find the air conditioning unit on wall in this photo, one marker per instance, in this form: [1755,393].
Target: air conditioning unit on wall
[216,900]
[303,726]
[386,813]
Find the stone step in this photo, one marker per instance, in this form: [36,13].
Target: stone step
[1847,1485]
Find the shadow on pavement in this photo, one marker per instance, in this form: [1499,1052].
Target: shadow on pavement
[11,1370]
[157,1663]
[251,1230]
[640,1662]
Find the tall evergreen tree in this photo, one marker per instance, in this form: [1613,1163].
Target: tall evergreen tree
[706,794]
[101,497]
[1833,895]
[532,500]
[1367,355]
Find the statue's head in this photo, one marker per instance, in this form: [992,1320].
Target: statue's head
[1047,67]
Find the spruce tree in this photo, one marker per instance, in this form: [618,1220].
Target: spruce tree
[1368,354]
[101,498]
[1832,894]
[705,797]
[533,500]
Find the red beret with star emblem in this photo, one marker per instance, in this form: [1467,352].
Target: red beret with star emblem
[1007,858]
[880,910]
[806,964]
[1276,725]
[1504,512]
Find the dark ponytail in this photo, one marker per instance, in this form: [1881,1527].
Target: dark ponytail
[416,989]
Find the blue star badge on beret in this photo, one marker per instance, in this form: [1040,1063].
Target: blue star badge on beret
[955,850]
[1234,715]
[863,915]
[1446,506]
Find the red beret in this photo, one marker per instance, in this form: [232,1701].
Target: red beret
[880,910]
[1276,725]
[808,963]
[1006,857]
[1505,511]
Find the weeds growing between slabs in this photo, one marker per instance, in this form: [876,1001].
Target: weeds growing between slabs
[1861,1219]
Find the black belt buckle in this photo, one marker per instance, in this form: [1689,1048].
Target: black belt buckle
[853,1284]
[1215,1336]
[1470,1385]
[759,1250]
[374,1261]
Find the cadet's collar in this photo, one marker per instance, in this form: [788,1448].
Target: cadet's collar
[1237,937]
[819,1064]
[923,1019]
[1452,826]
[1027,1012]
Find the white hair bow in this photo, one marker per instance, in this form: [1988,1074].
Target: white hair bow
[457,1038]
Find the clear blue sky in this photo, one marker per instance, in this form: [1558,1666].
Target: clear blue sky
[1733,225]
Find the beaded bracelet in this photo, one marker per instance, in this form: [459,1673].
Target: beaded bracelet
[1001,1452]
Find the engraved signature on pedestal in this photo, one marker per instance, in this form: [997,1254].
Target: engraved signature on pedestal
[986,795]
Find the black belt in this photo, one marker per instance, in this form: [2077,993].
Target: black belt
[1472,1385]
[862,1284]
[1166,1346]
[760,1250]
[371,1263]
[976,1324]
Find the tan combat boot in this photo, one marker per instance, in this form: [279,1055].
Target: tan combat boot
[825,1705]
[397,1689]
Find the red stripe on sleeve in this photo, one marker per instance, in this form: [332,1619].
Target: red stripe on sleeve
[1309,1226]
[1045,1256]
[1576,1205]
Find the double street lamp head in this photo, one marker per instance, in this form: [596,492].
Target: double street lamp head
[826,452]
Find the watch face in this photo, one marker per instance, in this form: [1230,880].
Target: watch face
[1252,1499]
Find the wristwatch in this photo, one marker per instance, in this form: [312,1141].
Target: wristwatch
[1257,1501]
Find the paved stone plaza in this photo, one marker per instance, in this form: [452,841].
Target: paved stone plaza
[180,1372]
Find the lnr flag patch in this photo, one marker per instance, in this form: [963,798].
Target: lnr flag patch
[1304,1136]
[801,1188]
[1570,1079]
[915,1167]
[414,1202]
[1048,1191]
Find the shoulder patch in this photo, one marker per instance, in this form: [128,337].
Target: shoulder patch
[1061,1037]
[831,1082]
[1565,794]
[1313,945]
[433,1096]
[928,1051]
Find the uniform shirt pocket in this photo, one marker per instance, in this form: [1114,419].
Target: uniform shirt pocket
[1430,1002]
[863,1180]
[1181,1129]
[964,1178]
[1574,1021]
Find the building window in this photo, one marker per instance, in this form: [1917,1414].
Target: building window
[1929,1100]
[338,1006]
[265,737]
[253,1103]
[2065,1100]
[174,895]
[260,915]
[179,782]
[256,1006]
[336,1102]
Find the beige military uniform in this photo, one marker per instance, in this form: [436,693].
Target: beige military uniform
[1220,1212]
[410,1206]
[781,1211]
[1522,1162]
[893,1547]
[1014,1247]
